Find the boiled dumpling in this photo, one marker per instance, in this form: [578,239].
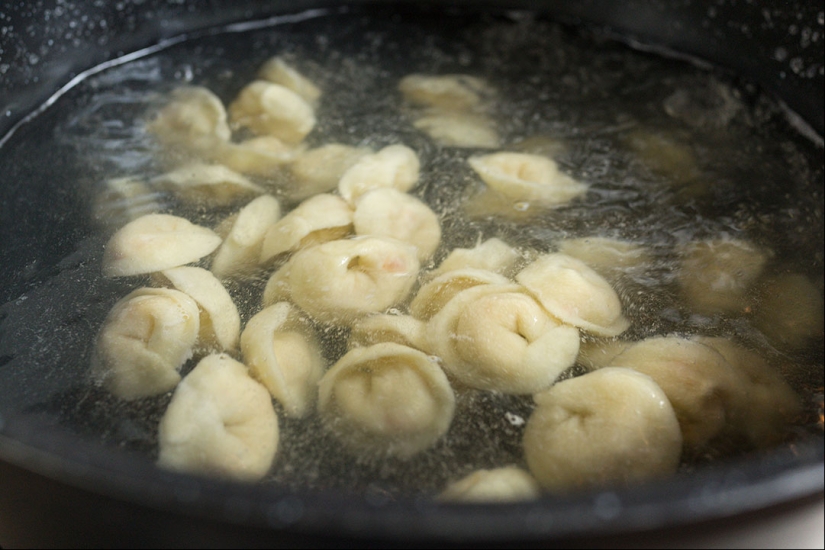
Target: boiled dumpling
[319,219]
[395,166]
[606,256]
[386,399]
[195,119]
[451,92]
[220,423]
[386,327]
[343,280]
[271,109]
[574,293]
[431,298]
[790,311]
[508,484]
[209,185]
[282,353]
[598,353]
[459,130]
[319,170]
[264,156]
[220,324]
[144,341]
[527,178]
[155,242]
[496,337]
[491,255]
[278,71]
[123,200]
[609,427]
[388,212]
[240,252]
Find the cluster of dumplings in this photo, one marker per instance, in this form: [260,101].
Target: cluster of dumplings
[355,251]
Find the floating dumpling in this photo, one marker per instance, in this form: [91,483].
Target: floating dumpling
[240,252]
[574,293]
[386,327]
[790,311]
[278,71]
[450,92]
[527,178]
[319,170]
[207,185]
[194,119]
[431,298]
[386,399]
[609,427]
[459,130]
[341,281]
[395,166]
[282,353]
[496,337]
[508,484]
[606,256]
[319,219]
[219,423]
[264,156]
[598,353]
[155,242]
[271,109]
[491,255]
[388,212]
[144,341]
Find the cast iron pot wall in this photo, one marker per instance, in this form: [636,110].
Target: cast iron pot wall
[58,490]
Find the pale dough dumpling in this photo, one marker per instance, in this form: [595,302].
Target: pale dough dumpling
[388,212]
[319,170]
[219,423]
[271,109]
[240,252]
[598,353]
[155,242]
[605,255]
[716,274]
[459,130]
[144,341]
[278,71]
[395,166]
[431,298]
[386,399]
[195,118]
[281,351]
[574,293]
[319,219]
[790,311]
[264,156]
[451,92]
[220,321]
[507,484]
[528,178]
[124,199]
[609,427]
[700,384]
[208,185]
[491,255]
[386,327]
[496,337]
[341,281]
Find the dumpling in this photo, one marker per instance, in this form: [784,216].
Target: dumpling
[450,92]
[386,399]
[264,156]
[598,353]
[319,219]
[496,337]
[395,166]
[431,297]
[341,281]
[574,293]
[208,185]
[790,311]
[144,341]
[319,170]
[451,129]
[665,156]
[123,200]
[507,484]
[282,353]
[278,71]
[700,384]
[220,324]
[527,178]
[606,256]
[386,327]
[194,119]
[716,274]
[609,427]
[271,109]
[240,251]
[388,212]
[219,423]
[155,242]
[492,255]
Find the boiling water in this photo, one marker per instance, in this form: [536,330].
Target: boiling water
[583,99]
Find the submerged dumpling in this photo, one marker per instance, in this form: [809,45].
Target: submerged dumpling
[395,166]
[262,156]
[319,170]
[341,281]
[508,484]
[144,341]
[194,118]
[606,256]
[124,199]
[388,212]
[282,353]
[240,251]
[155,242]
[459,130]
[609,427]
[220,423]
[278,71]
[492,255]
[450,92]
[434,295]
[386,327]
[790,311]
[527,178]
[496,337]
[574,293]
[386,399]
[209,185]
[271,109]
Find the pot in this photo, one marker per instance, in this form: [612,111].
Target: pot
[60,486]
